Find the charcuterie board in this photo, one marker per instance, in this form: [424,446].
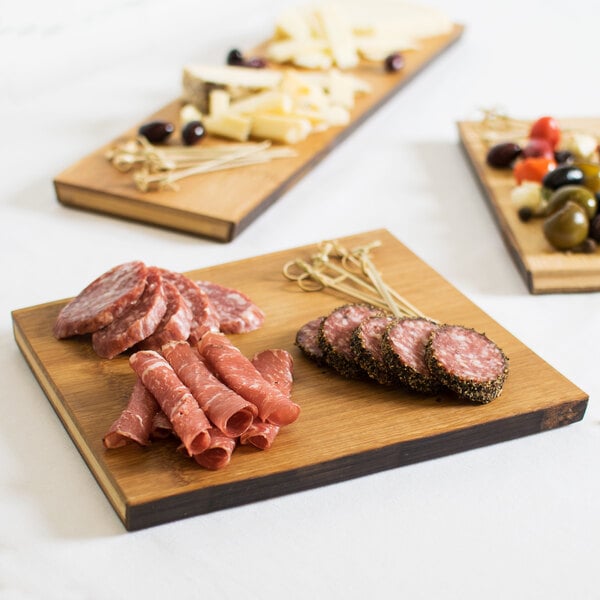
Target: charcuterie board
[347,428]
[219,205]
[544,269]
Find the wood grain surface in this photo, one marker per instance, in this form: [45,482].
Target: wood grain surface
[346,428]
[220,205]
[544,269]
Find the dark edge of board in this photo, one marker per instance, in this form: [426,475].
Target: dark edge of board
[353,466]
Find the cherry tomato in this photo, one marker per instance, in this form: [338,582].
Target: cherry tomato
[533,169]
[546,128]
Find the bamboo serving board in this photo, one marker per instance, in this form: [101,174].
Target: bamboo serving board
[346,428]
[220,205]
[544,269]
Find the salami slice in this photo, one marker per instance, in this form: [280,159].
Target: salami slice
[237,313]
[307,339]
[218,454]
[403,345]
[234,369]
[227,410]
[335,334]
[467,362]
[135,423]
[175,324]
[277,367]
[204,316]
[261,435]
[102,301]
[137,323]
[175,399]
[366,348]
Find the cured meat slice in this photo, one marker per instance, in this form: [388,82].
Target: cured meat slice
[237,313]
[218,454]
[135,423]
[307,339]
[175,399]
[277,367]
[204,317]
[175,324]
[260,434]
[137,323]
[161,426]
[227,410]
[467,362]
[366,348]
[102,301]
[403,345]
[234,369]
[335,333]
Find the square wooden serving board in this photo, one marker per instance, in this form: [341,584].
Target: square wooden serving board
[221,204]
[347,428]
[544,269]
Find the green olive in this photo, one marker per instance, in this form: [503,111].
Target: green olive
[573,193]
[591,175]
[567,227]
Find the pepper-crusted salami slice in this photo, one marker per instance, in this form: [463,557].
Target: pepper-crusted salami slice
[102,301]
[234,369]
[237,313]
[261,435]
[335,333]
[403,345]
[467,362]
[175,324]
[366,348]
[219,451]
[277,367]
[227,410]
[175,399]
[204,316]
[137,323]
[135,422]
[307,339]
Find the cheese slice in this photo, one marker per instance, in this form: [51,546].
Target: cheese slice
[218,102]
[284,129]
[228,125]
[288,50]
[271,100]
[292,23]
[339,35]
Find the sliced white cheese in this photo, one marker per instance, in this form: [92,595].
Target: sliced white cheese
[274,101]
[292,23]
[218,102]
[341,89]
[229,76]
[288,50]
[339,35]
[187,114]
[235,127]
[284,129]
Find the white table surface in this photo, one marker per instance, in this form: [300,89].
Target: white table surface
[515,520]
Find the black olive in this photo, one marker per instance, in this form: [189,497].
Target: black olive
[192,133]
[394,62]
[156,131]
[235,57]
[501,156]
[565,175]
[525,214]
[564,157]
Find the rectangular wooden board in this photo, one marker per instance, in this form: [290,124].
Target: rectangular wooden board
[346,428]
[544,269]
[220,205]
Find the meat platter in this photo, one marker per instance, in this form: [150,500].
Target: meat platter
[93,184]
[346,429]
[544,269]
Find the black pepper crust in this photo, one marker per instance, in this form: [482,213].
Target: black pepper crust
[374,368]
[479,392]
[403,372]
[346,366]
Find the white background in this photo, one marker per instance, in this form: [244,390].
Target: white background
[516,520]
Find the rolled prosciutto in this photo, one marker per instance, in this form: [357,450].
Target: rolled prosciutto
[135,423]
[238,372]
[218,454]
[175,399]
[227,411]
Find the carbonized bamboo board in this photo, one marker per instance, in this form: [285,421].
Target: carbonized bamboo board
[544,269]
[346,428]
[220,205]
